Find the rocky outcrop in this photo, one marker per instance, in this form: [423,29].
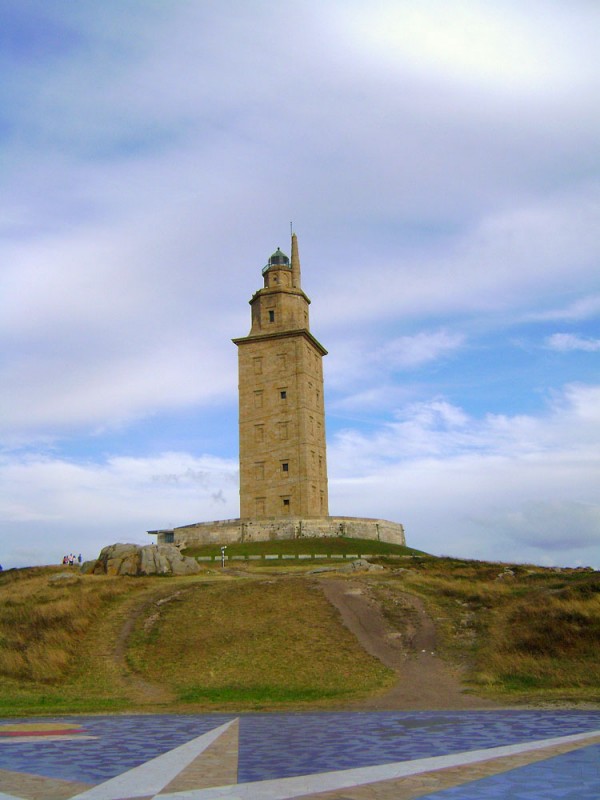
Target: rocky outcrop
[151,559]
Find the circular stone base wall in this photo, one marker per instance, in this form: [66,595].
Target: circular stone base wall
[231,531]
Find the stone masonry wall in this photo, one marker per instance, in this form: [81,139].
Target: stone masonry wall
[231,531]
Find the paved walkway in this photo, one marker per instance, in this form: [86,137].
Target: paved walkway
[461,755]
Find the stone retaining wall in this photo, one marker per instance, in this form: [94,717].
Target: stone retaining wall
[232,531]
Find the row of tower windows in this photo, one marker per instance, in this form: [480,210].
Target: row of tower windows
[271,315]
[260,505]
[283,395]
[259,467]
[282,361]
[259,395]
[286,502]
[283,430]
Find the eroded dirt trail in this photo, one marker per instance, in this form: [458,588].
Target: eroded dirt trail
[139,689]
[424,680]
[136,688]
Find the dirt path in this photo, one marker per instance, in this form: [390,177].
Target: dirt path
[138,689]
[424,680]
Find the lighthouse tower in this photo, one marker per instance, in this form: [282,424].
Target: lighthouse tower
[283,464]
[283,468]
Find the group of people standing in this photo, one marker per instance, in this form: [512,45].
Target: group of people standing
[72,559]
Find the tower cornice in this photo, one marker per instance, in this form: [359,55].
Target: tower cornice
[262,337]
[270,290]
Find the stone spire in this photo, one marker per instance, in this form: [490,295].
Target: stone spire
[295,263]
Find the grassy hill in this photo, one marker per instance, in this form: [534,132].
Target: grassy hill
[262,635]
[523,633]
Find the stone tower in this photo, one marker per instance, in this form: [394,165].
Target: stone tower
[283,468]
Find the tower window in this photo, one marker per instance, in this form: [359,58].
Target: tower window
[286,503]
[285,466]
[271,316]
[283,394]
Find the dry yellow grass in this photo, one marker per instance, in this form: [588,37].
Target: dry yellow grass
[524,632]
[44,619]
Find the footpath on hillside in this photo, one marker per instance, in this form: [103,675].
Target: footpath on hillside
[424,680]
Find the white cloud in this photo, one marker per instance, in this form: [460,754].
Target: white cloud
[567,342]
[66,394]
[500,48]
[362,373]
[413,351]
[513,488]
[581,309]
[506,261]
[571,424]
[58,505]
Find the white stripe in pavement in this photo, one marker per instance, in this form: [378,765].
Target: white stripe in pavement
[154,775]
[288,788]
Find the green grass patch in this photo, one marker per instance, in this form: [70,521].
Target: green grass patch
[40,705]
[258,695]
[521,683]
[263,640]
[335,546]
[25,699]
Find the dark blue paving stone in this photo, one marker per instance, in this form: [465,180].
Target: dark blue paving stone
[572,776]
[299,744]
[123,743]
[281,745]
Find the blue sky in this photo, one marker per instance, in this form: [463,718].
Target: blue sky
[440,162]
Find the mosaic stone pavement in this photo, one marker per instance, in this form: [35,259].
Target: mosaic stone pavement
[330,756]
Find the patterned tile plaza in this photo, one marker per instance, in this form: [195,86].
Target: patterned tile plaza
[441,755]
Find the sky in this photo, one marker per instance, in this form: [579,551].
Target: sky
[440,162]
